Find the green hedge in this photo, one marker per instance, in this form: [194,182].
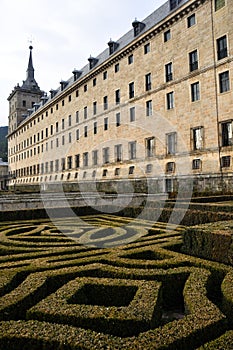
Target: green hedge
[227,291]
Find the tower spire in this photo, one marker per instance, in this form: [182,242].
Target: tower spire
[30,82]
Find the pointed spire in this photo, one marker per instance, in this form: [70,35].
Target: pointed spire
[30,82]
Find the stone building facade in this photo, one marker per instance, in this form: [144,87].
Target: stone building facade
[3,175]
[152,112]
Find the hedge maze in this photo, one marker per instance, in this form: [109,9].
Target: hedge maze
[56,293]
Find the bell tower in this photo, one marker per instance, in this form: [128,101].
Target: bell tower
[22,98]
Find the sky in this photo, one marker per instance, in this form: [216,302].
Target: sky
[63,35]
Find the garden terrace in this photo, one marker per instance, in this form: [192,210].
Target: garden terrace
[109,282]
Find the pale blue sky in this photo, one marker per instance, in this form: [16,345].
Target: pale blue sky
[63,34]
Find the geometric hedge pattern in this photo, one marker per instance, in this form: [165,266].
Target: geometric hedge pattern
[58,294]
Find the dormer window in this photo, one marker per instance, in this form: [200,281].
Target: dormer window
[138,27]
[44,99]
[77,74]
[53,93]
[174,4]
[92,62]
[63,84]
[112,46]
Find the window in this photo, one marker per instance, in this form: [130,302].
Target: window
[57,142]
[130,59]
[85,131]
[149,108]
[171,141]
[131,90]
[219,4]
[106,155]
[193,61]
[117,67]
[69,120]
[118,119]
[132,150]
[57,129]
[131,170]
[174,4]
[105,124]
[70,137]
[77,117]
[77,93]
[222,47]
[149,168]
[105,172]
[169,185]
[69,162]
[84,175]
[57,165]
[148,82]
[225,162]
[167,35]
[170,100]
[95,108]
[63,164]
[105,75]
[191,20]
[95,157]
[168,72]
[105,102]
[85,88]
[94,173]
[63,124]
[196,164]
[195,92]
[85,112]
[117,97]
[95,128]
[69,98]
[77,134]
[51,129]
[118,153]
[224,83]
[132,114]
[117,171]
[62,140]
[170,167]
[150,147]
[197,136]
[94,82]
[146,48]
[85,159]
[226,134]
[77,160]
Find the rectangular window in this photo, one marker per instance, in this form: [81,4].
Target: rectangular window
[146,48]
[191,20]
[57,142]
[85,131]
[222,47]
[170,167]
[77,134]
[85,88]
[193,60]
[69,162]
[226,162]
[70,137]
[171,141]
[118,119]
[105,124]
[167,35]
[105,75]
[63,124]
[226,134]
[130,59]
[131,90]
[117,67]
[94,108]
[105,102]
[95,157]
[77,160]
[69,120]
[224,83]
[63,140]
[196,164]
[174,4]
[195,92]
[51,130]
[150,147]
[132,150]
[132,114]
[168,72]
[219,4]
[85,112]
[118,153]
[117,171]
[77,117]
[117,97]
[57,127]
[106,155]
[85,159]
[95,128]
[57,165]
[197,135]
[63,164]
[148,82]
[94,82]
[170,100]
[131,170]
[149,108]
